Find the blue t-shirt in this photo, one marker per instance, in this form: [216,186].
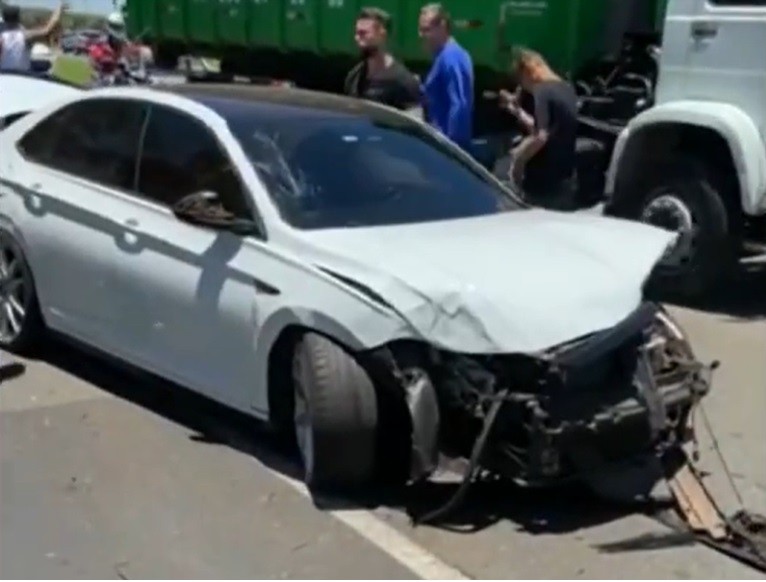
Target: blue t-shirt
[448,92]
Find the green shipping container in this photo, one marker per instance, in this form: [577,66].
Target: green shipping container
[171,15]
[336,23]
[233,21]
[140,26]
[301,26]
[570,33]
[202,22]
[265,24]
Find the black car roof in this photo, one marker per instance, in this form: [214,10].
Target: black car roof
[221,97]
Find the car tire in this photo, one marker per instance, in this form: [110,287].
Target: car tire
[335,415]
[18,294]
[680,195]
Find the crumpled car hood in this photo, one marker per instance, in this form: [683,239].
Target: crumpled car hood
[514,282]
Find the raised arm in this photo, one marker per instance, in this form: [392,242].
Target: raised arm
[43,32]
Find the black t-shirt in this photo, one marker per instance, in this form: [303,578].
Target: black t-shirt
[553,104]
[394,86]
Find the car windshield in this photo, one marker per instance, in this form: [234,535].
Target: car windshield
[334,171]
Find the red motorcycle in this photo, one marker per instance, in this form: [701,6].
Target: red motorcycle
[117,66]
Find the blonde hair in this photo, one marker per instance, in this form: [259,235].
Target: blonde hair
[438,12]
[526,59]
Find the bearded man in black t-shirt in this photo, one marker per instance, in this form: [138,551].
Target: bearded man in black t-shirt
[379,76]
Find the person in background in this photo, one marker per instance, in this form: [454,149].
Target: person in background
[545,105]
[107,55]
[448,87]
[379,76]
[16,41]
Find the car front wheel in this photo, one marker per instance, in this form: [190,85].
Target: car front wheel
[335,415]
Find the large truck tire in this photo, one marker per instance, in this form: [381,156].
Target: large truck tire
[682,195]
[335,415]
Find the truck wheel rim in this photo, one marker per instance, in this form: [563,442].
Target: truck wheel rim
[304,432]
[14,294]
[671,213]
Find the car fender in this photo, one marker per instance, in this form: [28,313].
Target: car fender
[730,122]
[7,224]
[329,307]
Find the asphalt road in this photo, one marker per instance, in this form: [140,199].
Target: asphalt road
[105,474]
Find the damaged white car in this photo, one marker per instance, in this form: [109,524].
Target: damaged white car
[337,267]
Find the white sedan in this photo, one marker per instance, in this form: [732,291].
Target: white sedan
[337,267]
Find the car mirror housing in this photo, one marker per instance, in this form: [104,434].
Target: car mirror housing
[205,209]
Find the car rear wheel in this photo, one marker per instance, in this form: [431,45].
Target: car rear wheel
[21,325]
[335,415]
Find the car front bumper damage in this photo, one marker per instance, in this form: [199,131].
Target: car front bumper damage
[550,416]
[576,411]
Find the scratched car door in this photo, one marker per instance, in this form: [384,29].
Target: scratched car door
[185,290]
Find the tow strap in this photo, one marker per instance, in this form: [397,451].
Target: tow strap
[741,536]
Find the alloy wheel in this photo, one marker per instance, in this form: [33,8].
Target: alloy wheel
[15,292]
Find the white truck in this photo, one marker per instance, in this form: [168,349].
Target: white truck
[695,161]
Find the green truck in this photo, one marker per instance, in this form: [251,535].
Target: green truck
[604,46]
[311,41]
[673,136]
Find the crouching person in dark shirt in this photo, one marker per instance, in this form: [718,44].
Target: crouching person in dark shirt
[379,76]
[545,105]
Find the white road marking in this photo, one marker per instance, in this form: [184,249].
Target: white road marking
[376,531]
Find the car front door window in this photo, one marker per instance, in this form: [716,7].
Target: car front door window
[180,156]
[185,296]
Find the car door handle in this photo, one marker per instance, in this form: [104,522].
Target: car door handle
[702,29]
[131,231]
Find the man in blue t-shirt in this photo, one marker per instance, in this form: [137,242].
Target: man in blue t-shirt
[448,87]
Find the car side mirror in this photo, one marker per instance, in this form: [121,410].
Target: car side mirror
[205,209]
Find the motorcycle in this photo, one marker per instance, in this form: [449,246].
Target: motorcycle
[123,75]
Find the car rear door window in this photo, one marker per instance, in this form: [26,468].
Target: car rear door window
[95,139]
[181,156]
